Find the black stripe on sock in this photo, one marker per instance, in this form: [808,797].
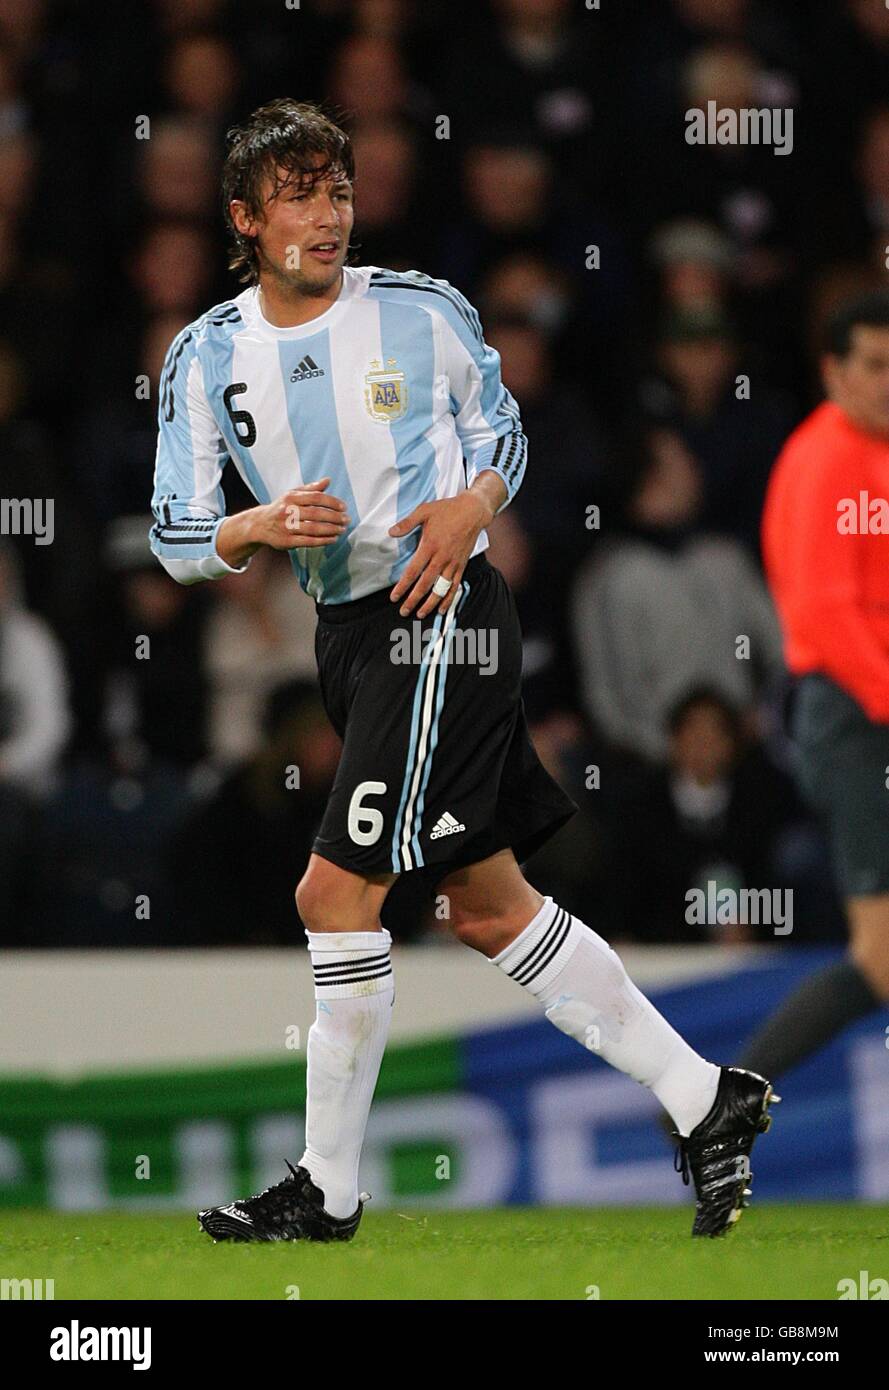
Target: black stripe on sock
[540,945]
[557,946]
[547,950]
[340,965]
[359,975]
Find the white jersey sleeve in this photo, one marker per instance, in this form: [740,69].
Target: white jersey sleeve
[188,502]
[486,415]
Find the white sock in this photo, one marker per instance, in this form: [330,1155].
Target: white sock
[354,993]
[587,993]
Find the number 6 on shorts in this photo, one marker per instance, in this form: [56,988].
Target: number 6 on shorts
[365,815]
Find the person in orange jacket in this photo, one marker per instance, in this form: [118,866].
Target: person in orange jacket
[826,549]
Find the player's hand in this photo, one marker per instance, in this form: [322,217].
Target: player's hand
[304,516]
[450,530]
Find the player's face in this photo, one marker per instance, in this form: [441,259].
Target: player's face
[859,382]
[304,234]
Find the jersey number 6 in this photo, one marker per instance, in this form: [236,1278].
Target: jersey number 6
[240,417]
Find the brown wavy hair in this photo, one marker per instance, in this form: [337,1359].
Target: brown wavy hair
[279,141]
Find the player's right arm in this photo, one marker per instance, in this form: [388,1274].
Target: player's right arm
[302,517]
[191,535]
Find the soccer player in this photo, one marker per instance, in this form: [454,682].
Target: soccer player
[365,412]
[825,525]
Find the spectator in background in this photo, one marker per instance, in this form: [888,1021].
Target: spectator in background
[38,293]
[511,549]
[201,76]
[855,33]
[527,285]
[516,202]
[660,610]
[866,213]
[156,692]
[390,228]
[853,223]
[507,184]
[14,109]
[695,263]
[115,447]
[727,19]
[576,861]
[851,248]
[569,446]
[752,195]
[34,717]
[23,22]
[34,725]
[545,51]
[260,633]
[745,188]
[177,177]
[717,812]
[731,420]
[755,22]
[369,80]
[170,269]
[182,16]
[167,264]
[872,25]
[18,171]
[247,838]
[53,579]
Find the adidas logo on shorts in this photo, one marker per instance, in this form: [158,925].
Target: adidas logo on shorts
[445,825]
[306,369]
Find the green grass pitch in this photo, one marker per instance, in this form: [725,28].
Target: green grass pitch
[798,1251]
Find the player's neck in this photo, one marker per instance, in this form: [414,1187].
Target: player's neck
[285,307]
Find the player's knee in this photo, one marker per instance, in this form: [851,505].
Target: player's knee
[482,931]
[317,902]
[329,900]
[306,901]
[466,928]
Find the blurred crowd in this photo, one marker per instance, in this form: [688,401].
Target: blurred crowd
[657,307]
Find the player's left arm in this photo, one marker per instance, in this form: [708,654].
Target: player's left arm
[488,425]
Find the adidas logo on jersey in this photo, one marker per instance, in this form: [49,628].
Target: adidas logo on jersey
[445,825]
[305,370]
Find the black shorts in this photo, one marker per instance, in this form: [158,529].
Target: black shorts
[843,762]
[437,769]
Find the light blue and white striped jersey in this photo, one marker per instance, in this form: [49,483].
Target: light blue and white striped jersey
[385,392]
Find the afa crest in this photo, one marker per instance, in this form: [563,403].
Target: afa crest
[385,391]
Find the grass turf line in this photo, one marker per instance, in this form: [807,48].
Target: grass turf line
[797,1251]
